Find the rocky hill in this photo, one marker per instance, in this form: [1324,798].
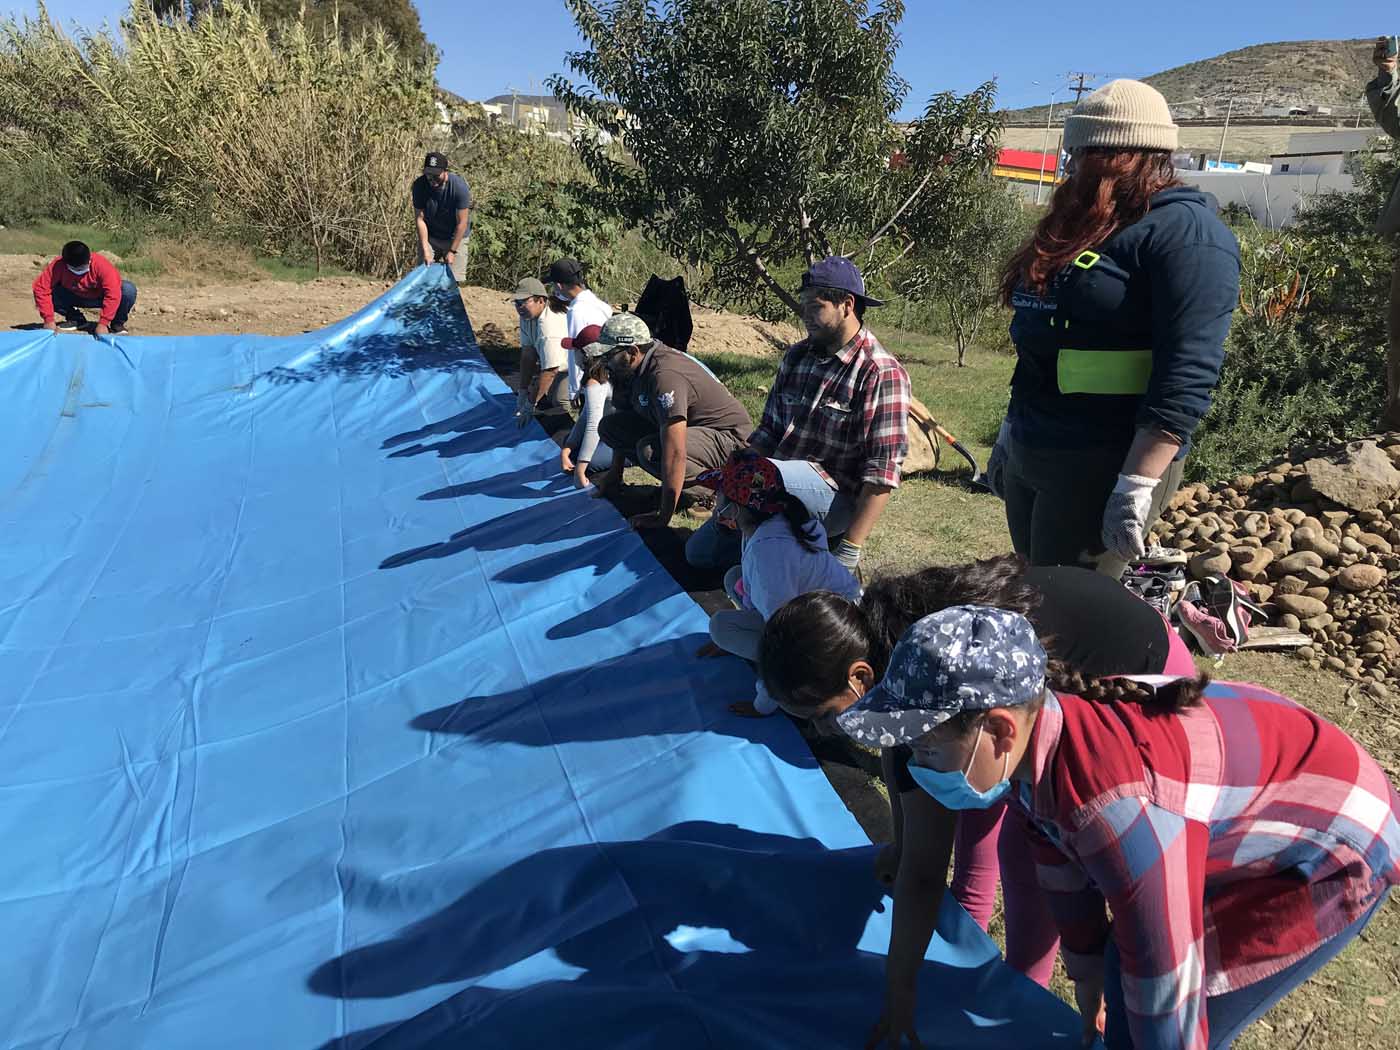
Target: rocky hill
[1292,74]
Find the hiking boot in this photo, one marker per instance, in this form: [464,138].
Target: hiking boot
[72,323]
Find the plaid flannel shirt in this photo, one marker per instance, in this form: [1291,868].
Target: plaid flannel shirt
[1228,842]
[846,411]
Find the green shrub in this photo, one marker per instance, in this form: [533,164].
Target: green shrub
[289,138]
[1305,361]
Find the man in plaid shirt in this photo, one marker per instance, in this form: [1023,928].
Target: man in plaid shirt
[1238,843]
[836,420]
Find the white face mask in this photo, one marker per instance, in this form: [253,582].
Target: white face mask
[78,271]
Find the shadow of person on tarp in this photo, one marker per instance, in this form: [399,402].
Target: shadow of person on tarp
[548,521]
[701,935]
[427,331]
[661,690]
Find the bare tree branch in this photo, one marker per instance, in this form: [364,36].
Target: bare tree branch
[880,233]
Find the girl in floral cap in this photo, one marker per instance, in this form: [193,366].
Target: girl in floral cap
[785,554]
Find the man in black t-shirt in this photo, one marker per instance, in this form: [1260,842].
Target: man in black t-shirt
[442,205]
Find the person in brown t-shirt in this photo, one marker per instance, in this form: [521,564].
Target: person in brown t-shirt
[675,418]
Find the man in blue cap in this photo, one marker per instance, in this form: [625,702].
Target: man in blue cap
[836,421]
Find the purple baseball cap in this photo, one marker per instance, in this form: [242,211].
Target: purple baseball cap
[836,271]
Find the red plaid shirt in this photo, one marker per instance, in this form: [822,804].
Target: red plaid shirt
[1228,841]
[847,411]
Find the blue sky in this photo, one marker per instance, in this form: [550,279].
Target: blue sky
[489,46]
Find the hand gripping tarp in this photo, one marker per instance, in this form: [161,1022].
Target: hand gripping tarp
[333,716]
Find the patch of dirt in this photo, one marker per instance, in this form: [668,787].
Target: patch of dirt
[184,305]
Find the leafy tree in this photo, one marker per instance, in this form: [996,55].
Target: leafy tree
[760,134]
[961,270]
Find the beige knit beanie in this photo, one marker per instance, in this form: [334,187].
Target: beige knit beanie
[1123,114]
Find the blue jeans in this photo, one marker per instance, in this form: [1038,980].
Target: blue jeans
[66,303]
[712,546]
[1230,1014]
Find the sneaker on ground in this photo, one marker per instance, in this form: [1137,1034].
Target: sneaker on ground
[1212,636]
[1222,599]
[1156,555]
[72,322]
[117,329]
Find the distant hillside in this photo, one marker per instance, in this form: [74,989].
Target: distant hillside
[1296,73]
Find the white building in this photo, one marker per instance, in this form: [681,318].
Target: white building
[1313,163]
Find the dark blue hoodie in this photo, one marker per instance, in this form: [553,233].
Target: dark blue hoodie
[1130,335]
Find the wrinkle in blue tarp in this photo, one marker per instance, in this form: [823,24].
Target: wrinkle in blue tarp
[331,716]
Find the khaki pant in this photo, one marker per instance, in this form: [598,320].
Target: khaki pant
[459,264]
[628,434]
[1390,414]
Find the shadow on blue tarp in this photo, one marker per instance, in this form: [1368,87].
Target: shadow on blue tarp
[692,937]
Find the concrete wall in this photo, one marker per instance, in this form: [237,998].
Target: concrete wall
[1273,200]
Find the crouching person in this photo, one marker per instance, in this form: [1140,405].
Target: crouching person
[677,421]
[784,555]
[81,280]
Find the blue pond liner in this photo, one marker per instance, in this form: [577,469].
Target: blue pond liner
[331,715]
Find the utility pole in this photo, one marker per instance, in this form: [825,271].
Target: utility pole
[1080,87]
[1044,145]
[1220,157]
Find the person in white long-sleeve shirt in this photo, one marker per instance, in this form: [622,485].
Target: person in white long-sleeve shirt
[583,453]
[785,554]
[585,309]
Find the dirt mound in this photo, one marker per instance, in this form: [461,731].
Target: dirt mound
[716,332]
[181,304]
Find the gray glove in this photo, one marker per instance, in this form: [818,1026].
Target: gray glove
[1125,514]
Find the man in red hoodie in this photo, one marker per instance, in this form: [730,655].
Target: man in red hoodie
[77,279]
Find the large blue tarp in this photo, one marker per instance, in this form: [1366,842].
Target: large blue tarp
[331,716]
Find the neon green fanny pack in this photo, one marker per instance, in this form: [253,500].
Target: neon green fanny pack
[1103,371]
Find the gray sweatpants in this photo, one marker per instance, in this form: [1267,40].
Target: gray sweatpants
[739,631]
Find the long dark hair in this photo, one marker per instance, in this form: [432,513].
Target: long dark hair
[797,516]
[1110,189]
[810,643]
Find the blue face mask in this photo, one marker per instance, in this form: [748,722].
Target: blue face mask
[954,790]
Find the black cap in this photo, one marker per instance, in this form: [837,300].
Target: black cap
[566,271]
[435,162]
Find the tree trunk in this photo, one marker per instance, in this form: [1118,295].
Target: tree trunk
[760,268]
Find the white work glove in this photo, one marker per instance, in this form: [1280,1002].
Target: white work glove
[1125,516]
[847,553]
[996,463]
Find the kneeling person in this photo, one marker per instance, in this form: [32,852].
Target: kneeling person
[79,279]
[676,419]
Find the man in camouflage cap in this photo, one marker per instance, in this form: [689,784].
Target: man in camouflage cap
[673,418]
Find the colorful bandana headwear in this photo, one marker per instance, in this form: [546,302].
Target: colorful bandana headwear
[748,479]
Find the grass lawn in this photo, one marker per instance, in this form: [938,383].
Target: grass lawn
[940,519]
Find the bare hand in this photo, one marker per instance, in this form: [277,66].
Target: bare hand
[566,462]
[101,329]
[450,258]
[1088,996]
[649,521]
[745,709]
[887,864]
[896,1024]
[427,254]
[51,326]
[1384,62]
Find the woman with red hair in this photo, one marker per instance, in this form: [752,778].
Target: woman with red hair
[1122,299]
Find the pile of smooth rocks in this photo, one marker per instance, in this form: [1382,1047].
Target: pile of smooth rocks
[1317,538]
